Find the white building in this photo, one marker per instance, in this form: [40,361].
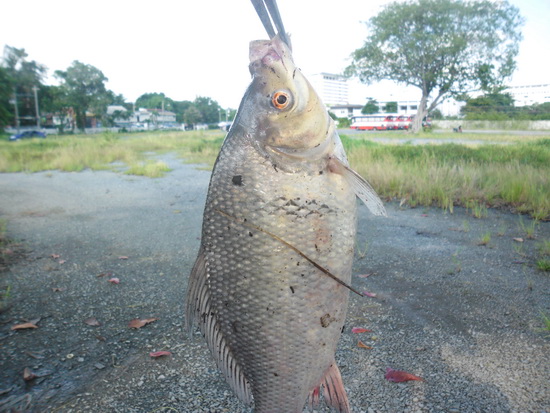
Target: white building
[345,111]
[333,89]
[529,95]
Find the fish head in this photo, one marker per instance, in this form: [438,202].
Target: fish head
[287,114]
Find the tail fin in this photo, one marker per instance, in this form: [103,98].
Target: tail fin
[333,391]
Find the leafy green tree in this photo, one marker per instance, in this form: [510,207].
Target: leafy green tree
[489,106]
[538,111]
[155,101]
[436,114]
[370,108]
[179,109]
[391,107]
[192,115]
[208,108]
[6,92]
[21,76]
[84,89]
[440,46]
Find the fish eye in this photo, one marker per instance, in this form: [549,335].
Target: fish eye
[280,100]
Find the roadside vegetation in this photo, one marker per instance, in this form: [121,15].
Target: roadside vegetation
[130,154]
[514,175]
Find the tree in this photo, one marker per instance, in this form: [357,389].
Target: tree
[21,76]
[391,107]
[494,105]
[155,101]
[208,108]
[84,89]
[370,108]
[6,92]
[192,115]
[440,46]
[180,107]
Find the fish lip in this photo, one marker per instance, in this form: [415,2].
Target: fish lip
[315,153]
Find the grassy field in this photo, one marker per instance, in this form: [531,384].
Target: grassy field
[514,175]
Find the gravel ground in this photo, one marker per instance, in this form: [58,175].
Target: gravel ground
[465,317]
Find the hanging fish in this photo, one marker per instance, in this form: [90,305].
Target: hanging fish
[269,289]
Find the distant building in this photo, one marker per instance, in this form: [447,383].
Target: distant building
[332,88]
[153,116]
[345,111]
[529,95]
[111,109]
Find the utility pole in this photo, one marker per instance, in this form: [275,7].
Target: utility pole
[14,101]
[35,90]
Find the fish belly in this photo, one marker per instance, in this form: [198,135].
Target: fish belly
[280,315]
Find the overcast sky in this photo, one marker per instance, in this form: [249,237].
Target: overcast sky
[189,48]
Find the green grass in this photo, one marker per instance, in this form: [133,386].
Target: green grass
[152,169]
[485,239]
[543,261]
[107,151]
[5,254]
[514,175]
[546,323]
[471,139]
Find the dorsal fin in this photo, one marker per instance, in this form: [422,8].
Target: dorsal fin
[199,311]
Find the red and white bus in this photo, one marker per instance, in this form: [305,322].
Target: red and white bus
[385,122]
[369,122]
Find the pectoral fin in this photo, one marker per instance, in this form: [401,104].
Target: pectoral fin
[200,311]
[364,191]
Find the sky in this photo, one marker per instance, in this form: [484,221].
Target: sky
[190,48]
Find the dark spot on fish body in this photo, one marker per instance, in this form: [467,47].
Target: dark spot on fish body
[292,289]
[326,320]
[275,374]
[237,180]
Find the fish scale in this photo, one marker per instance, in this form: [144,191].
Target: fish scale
[268,288]
[266,323]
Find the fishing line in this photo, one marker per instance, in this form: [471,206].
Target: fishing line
[293,248]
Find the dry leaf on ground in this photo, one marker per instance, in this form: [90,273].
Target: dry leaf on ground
[92,321]
[357,330]
[398,376]
[28,374]
[24,326]
[138,323]
[156,354]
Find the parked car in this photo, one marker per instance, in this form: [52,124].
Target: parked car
[27,134]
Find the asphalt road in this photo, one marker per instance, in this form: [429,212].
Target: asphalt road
[463,316]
